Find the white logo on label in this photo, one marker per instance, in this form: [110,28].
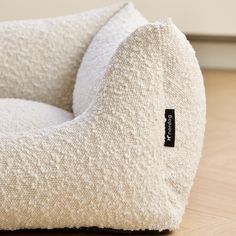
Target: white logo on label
[169,119]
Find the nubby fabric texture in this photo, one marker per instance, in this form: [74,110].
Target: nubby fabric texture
[39,59]
[109,167]
[19,115]
[100,52]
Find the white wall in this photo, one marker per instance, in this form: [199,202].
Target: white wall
[194,16]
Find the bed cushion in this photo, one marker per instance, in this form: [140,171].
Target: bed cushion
[18,115]
[39,58]
[100,52]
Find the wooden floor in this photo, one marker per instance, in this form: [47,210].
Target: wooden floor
[212,205]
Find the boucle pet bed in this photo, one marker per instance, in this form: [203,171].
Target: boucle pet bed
[128,158]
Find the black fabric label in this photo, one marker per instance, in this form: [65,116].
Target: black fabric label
[169,128]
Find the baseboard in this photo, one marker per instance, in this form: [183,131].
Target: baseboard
[215,52]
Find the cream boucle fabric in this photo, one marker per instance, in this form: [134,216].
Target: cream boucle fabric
[99,53]
[108,167]
[39,59]
[18,115]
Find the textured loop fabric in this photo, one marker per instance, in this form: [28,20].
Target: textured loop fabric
[109,166]
[18,115]
[99,53]
[39,59]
